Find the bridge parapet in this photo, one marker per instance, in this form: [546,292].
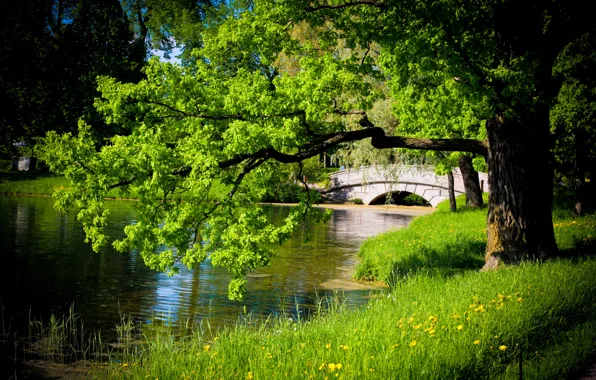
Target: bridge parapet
[371,182]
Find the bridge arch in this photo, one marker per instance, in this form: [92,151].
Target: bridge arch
[371,182]
[397,197]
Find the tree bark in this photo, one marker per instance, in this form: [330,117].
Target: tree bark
[471,182]
[520,176]
[579,179]
[450,180]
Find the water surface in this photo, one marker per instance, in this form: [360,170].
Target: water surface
[46,267]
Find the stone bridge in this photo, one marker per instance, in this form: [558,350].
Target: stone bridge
[371,183]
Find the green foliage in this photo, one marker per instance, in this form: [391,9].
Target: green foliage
[257,96]
[414,200]
[573,116]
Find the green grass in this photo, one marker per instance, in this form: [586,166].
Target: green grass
[442,320]
[472,326]
[34,183]
[43,183]
[447,243]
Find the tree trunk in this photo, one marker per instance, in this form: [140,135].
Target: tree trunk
[452,204]
[520,176]
[471,182]
[579,174]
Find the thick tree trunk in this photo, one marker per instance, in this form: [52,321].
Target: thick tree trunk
[471,182]
[450,180]
[520,176]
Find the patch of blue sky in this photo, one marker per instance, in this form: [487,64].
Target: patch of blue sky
[173,55]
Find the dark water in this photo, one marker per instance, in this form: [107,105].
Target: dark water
[45,267]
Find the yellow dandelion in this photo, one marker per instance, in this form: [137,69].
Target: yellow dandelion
[302,345]
[460,327]
[338,366]
[502,348]
[207,347]
[249,376]
[477,341]
[432,332]
[412,343]
[328,346]
[331,367]
[344,347]
[125,365]
[416,327]
[520,299]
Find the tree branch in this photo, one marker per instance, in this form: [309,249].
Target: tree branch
[374,3]
[378,140]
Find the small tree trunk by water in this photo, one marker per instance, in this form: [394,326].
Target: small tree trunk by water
[450,180]
[471,182]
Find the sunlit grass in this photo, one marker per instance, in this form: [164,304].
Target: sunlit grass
[476,325]
[442,319]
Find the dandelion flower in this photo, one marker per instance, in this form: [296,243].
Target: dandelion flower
[460,327]
[331,367]
[412,343]
[477,341]
[249,376]
[328,346]
[207,347]
[338,366]
[502,348]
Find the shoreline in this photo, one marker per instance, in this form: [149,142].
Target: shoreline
[388,209]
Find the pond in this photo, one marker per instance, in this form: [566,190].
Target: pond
[47,267]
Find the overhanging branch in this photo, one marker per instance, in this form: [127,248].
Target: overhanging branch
[378,140]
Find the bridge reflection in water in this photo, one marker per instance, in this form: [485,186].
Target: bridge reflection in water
[373,182]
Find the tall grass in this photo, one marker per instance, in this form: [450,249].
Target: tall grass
[470,326]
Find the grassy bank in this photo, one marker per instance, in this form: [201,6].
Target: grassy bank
[443,320]
[447,243]
[34,183]
[477,325]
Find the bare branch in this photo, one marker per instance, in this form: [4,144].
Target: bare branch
[122,183]
[253,163]
[378,140]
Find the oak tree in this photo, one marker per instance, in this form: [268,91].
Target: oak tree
[471,77]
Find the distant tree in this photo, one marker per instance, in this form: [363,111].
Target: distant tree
[573,117]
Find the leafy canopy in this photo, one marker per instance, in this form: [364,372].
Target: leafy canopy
[258,94]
